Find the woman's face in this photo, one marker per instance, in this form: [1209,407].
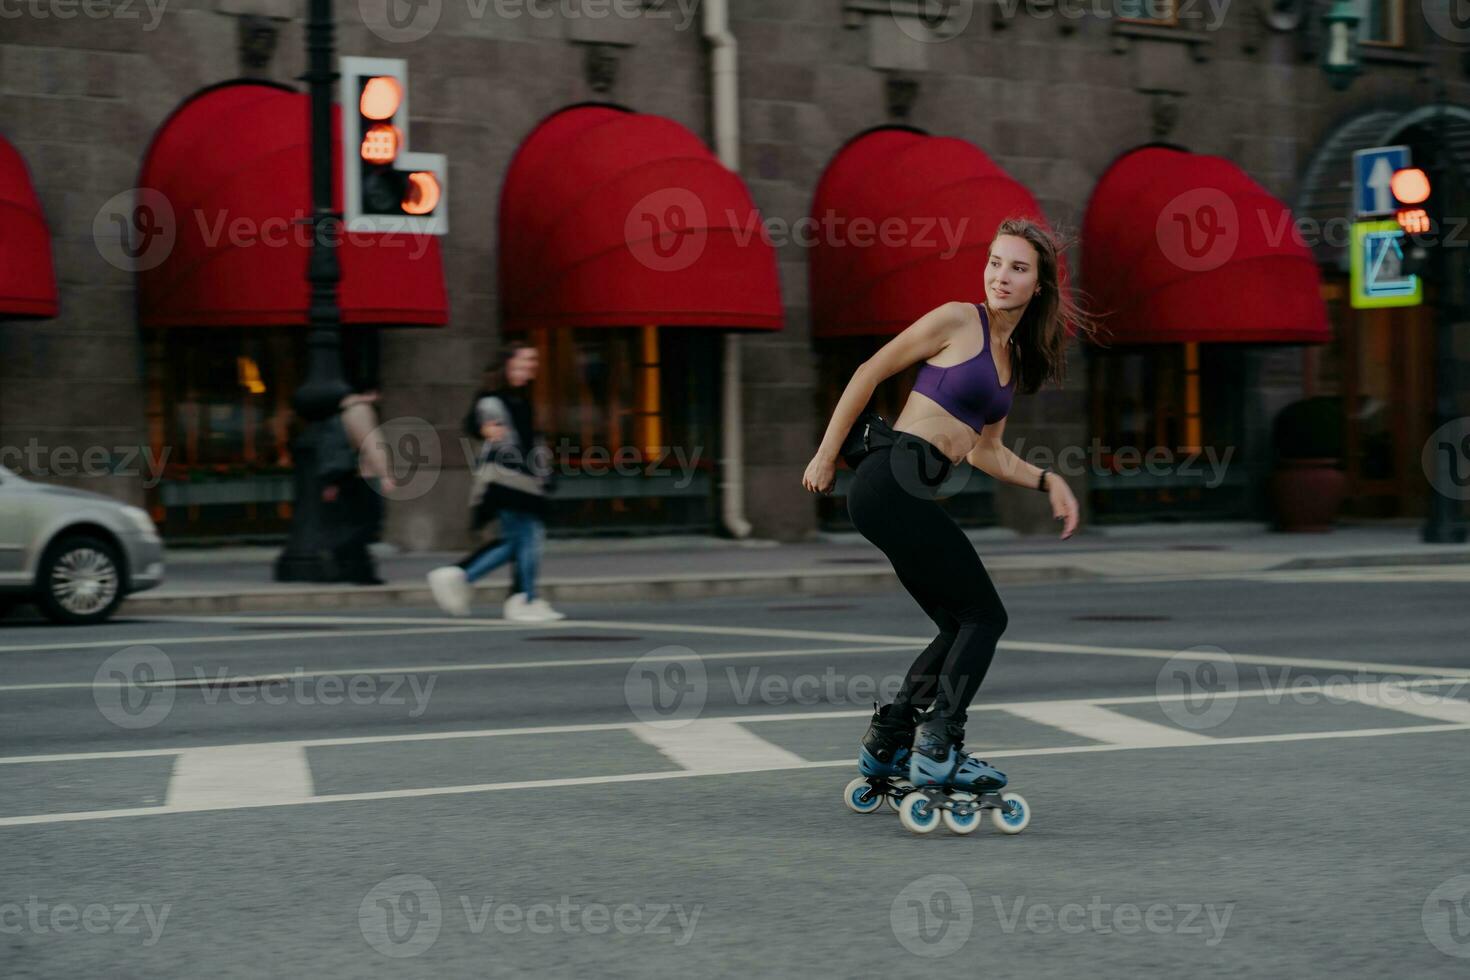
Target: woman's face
[1010,273]
[521,368]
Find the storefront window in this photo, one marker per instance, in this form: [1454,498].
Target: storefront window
[631,416]
[219,406]
[1168,430]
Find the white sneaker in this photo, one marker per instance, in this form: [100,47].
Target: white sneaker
[451,590]
[544,612]
[517,610]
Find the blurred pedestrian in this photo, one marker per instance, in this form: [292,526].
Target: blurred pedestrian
[355,475]
[511,481]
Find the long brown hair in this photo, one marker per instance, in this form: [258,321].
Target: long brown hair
[1038,345]
[494,377]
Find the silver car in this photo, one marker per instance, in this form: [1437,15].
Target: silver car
[74,554]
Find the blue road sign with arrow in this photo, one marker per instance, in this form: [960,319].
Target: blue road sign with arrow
[1372,171]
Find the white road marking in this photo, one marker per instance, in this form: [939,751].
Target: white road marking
[1102,725]
[210,680]
[1397,697]
[398,794]
[636,626]
[714,745]
[1012,706]
[1379,574]
[120,643]
[229,777]
[1306,663]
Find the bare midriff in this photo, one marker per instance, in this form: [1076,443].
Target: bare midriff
[924,417]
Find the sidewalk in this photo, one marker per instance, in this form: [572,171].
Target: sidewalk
[686,567]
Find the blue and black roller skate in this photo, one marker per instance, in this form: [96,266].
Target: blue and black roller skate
[884,760]
[956,788]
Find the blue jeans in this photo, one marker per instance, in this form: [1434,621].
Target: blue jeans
[524,536]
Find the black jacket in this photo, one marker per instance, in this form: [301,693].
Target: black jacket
[535,462]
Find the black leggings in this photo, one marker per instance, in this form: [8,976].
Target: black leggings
[893,503]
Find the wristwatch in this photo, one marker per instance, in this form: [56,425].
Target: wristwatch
[1041,480]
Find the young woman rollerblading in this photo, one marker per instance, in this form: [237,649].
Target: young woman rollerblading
[974,358]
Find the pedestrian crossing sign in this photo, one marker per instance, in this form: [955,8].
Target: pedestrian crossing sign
[1378,278]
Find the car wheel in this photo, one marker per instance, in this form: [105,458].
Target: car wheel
[79,581]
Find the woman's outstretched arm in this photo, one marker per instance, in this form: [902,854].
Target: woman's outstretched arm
[921,340]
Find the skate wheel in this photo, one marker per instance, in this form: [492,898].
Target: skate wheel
[917,813]
[861,797]
[1015,816]
[966,823]
[901,789]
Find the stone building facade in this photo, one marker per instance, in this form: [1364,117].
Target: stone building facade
[1052,91]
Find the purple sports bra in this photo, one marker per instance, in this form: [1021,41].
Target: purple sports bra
[971,390]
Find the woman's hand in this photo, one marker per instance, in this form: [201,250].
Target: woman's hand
[821,475]
[1063,504]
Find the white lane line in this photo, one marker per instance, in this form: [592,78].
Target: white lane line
[160,641]
[398,794]
[1016,645]
[1397,697]
[324,620]
[636,626]
[879,638]
[715,746]
[1306,663]
[1012,706]
[229,777]
[207,680]
[1102,725]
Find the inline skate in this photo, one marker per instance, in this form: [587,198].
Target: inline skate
[955,788]
[884,760]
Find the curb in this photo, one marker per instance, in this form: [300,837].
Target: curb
[811,581]
[1376,561]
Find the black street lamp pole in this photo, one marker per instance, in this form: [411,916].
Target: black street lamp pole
[307,557]
[1442,525]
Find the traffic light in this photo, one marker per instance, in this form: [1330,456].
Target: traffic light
[1411,189]
[385,186]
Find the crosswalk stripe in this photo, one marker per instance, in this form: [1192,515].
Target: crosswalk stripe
[231,776]
[1398,697]
[1104,724]
[398,794]
[715,746]
[1068,707]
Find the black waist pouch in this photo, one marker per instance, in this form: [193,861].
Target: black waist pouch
[871,431]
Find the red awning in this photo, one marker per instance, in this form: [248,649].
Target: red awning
[27,280]
[1178,246]
[233,166]
[940,200]
[615,218]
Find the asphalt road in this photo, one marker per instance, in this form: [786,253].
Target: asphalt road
[1258,777]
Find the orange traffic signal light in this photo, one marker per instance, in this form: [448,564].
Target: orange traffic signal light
[386,187]
[1410,185]
[381,97]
